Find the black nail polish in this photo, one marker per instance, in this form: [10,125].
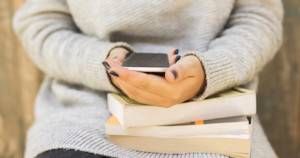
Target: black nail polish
[174,74]
[176,52]
[177,58]
[106,65]
[114,73]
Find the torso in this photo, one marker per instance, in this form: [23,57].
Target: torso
[155,24]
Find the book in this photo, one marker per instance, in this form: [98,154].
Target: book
[233,125]
[234,102]
[229,136]
[229,146]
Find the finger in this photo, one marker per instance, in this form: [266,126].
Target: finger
[119,59]
[142,96]
[172,56]
[147,82]
[172,60]
[184,68]
[116,69]
[118,55]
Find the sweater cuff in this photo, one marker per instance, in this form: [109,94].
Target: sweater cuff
[96,75]
[120,45]
[219,72]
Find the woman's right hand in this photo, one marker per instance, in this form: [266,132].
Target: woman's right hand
[118,54]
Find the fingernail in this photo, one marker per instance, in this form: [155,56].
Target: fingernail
[176,52]
[114,73]
[177,58]
[174,74]
[106,65]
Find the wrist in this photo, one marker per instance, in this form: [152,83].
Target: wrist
[199,68]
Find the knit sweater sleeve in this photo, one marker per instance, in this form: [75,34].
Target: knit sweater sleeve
[56,46]
[251,38]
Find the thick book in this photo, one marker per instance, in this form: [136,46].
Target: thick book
[235,102]
[229,136]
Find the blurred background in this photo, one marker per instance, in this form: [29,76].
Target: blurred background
[278,96]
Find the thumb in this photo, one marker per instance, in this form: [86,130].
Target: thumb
[177,72]
[186,67]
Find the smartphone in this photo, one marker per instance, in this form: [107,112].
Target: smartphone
[147,62]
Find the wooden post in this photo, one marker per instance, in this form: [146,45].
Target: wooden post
[19,82]
[279,92]
[30,79]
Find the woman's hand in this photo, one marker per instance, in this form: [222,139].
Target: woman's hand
[182,81]
[118,54]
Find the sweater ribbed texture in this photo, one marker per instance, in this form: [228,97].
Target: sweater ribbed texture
[69,39]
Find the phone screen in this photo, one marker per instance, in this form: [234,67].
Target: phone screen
[147,62]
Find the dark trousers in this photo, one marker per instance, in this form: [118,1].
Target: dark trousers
[68,153]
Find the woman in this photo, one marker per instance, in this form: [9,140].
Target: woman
[223,43]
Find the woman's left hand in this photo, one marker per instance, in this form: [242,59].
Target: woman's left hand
[182,81]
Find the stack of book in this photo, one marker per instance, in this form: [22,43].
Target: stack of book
[219,124]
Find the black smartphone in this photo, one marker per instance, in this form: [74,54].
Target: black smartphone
[147,62]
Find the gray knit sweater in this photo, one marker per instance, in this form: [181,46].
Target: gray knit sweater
[68,40]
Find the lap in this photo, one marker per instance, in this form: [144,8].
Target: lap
[91,124]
